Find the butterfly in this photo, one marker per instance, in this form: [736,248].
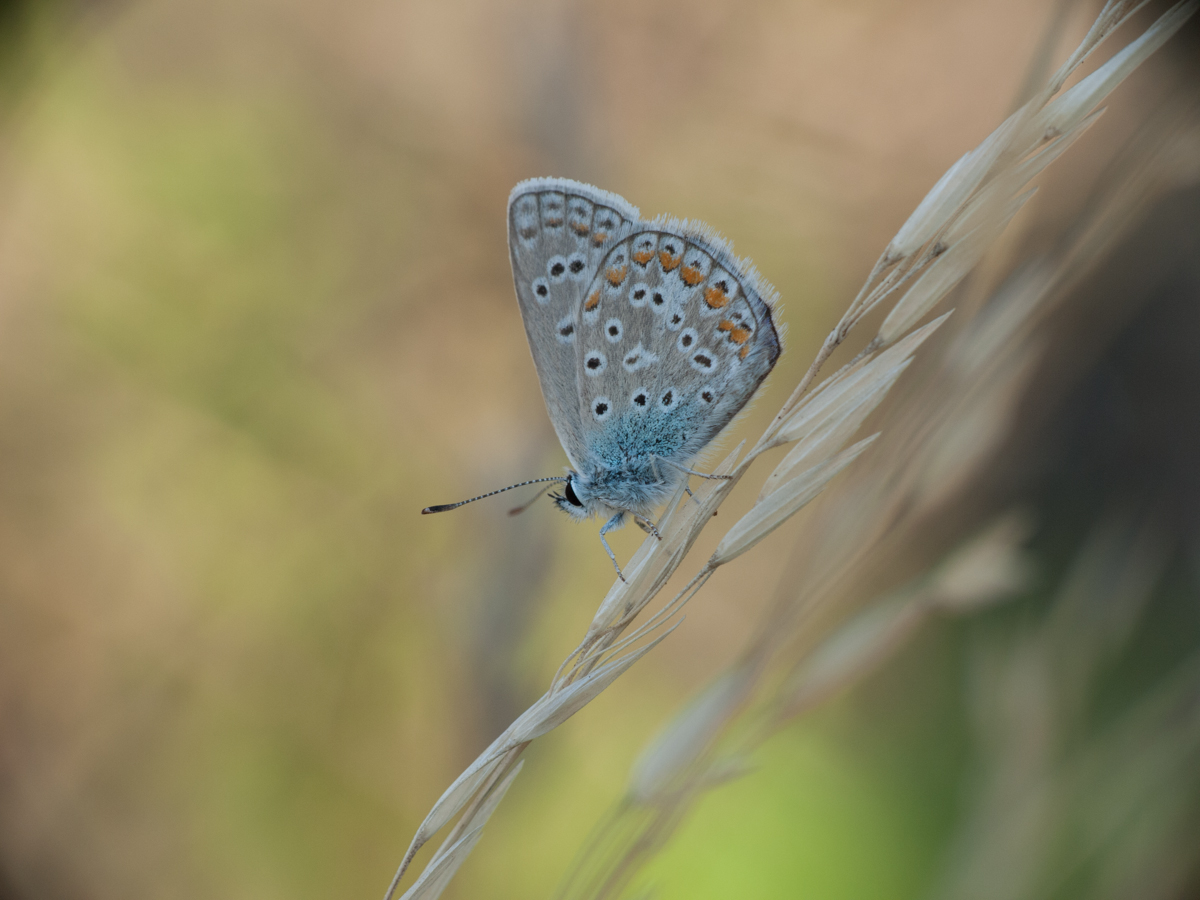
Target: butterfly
[648,337]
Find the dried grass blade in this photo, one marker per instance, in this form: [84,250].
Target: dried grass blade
[724,770]
[947,271]
[952,189]
[821,404]
[555,708]
[484,811]
[767,515]
[1114,14]
[1009,310]
[448,806]
[827,437]
[660,617]
[685,738]
[439,872]
[1030,168]
[852,650]
[983,206]
[987,569]
[979,423]
[1065,111]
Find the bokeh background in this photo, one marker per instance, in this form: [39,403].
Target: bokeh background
[256,311]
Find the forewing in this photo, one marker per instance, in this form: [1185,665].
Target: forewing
[558,233]
[674,336]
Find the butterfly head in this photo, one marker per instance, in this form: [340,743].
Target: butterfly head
[576,498]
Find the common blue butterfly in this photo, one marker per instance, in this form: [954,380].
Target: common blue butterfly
[648,338]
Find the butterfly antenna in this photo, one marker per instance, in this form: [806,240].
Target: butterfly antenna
[517,510]
[446,507]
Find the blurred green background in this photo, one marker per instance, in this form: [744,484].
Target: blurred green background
[256,311]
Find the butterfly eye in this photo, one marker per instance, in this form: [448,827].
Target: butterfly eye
[576,263]
[707,395]
[601,408]
[541,290]
[613,330]
[572,498]
[667,400]
[703,361]
[640,399]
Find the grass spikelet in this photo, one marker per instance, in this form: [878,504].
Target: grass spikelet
[686,737]
[783,503]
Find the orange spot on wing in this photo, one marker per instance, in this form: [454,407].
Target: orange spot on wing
[599,238]
[641,257]
[616,274]
[715,297]
[580,228]
[743,352]
[592,301]
[691,276]
[553,222]
[668,261]
[726,325]
[739,335]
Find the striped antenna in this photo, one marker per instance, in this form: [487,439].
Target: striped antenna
[517,510]
[446,507]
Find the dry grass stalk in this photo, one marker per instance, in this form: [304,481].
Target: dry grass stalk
[940,243]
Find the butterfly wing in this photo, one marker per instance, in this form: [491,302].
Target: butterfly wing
[673,337]
[559,231]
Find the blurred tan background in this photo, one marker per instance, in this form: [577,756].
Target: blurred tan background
[256,311]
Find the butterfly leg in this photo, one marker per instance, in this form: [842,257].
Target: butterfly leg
[646,525]
[654,463]
[683,468]
[612,525]
[655,460]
